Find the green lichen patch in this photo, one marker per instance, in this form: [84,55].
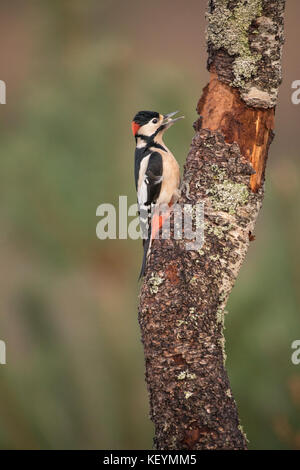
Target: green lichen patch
[241,429]
[185,374]
[244,68]
[181,376]
[194,280]
[218,230]
[181,322]
[220,317]
[222,344]
[228,29]
[155,281]
[227,196]
[214,257]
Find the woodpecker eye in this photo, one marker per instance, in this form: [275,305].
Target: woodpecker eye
[155,121]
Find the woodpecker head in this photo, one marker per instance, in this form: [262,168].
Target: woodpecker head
[150,124]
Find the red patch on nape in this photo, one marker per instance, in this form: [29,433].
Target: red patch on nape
[135,127]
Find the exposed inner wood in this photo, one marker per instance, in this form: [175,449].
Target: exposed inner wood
[221,108]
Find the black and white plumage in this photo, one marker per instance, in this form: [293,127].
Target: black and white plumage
[157,175]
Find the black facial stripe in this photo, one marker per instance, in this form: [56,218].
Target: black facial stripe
[146,138]
[149,140]
[158,146]
[161,128]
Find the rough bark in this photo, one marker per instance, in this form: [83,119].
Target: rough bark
[184,293]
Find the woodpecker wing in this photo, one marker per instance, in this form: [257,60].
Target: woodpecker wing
[149,181]
[148,188]
[154,177]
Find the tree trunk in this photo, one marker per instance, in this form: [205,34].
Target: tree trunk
[184,293]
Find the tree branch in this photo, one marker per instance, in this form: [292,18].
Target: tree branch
[184,293]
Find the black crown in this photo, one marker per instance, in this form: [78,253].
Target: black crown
[142,117]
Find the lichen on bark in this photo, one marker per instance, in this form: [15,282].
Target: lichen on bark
[247,35]
[228,29]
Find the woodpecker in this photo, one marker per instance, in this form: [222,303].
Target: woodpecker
[157,175]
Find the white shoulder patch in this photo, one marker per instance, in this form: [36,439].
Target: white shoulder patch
[142,184]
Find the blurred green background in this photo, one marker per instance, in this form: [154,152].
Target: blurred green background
[76,73]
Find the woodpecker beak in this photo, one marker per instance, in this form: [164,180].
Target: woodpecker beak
[168,122]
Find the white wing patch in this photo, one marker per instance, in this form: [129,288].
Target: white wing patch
[143,193]
[142,196]
[142,184]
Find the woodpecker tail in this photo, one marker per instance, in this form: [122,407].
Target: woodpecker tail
[147,244]
[154,226]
